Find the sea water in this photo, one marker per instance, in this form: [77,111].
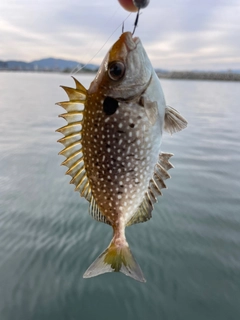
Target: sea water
[189,251]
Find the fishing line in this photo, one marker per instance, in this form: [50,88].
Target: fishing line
[77,69]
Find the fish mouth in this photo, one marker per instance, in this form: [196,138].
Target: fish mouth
[136,40]
[130,42]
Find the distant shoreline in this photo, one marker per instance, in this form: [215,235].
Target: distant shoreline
[200,75]
[178,75]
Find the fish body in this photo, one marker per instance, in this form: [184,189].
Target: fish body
[113,146]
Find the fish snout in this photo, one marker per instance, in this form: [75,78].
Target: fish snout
[129,41]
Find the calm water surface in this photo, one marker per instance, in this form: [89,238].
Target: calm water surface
[189,251]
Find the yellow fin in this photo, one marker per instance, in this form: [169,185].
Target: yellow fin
[72,117]
[115,259]
[74,94]
[71,106]
[72,159]
[72,138]
[95,212]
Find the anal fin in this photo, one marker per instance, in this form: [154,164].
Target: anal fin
[96,213]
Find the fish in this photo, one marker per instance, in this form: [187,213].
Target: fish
[112,147]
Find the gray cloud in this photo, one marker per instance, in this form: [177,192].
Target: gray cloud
[179,34]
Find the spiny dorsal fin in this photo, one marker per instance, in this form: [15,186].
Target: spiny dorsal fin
[174,122]
[72,138]
[160,174]
[95,212]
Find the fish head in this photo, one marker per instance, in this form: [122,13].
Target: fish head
[125,71]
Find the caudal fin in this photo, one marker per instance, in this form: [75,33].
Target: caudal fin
[115,259]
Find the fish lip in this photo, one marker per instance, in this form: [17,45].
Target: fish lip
[130,42]
[136,40]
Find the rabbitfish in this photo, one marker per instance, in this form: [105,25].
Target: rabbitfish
[113,146]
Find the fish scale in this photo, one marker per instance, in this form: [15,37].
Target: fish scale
[120,167]
[112,145]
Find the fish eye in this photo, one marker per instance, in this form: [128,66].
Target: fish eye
[116,70]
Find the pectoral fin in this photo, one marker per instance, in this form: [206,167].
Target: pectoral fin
[174,122]
[151,109]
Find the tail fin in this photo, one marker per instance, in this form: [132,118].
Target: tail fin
[115,259]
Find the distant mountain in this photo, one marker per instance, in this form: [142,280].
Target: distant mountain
[47,64]
[62,65]
[17,65]
[55,64]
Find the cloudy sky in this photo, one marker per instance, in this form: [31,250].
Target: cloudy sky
[177,34]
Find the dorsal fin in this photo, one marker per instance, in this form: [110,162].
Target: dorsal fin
[160,174]
[95,212]
[72,138]
[174,122]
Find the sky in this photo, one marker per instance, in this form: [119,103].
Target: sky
[177,34]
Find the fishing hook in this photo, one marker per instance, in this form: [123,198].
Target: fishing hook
[123,27]
[140,4]
[136,22]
